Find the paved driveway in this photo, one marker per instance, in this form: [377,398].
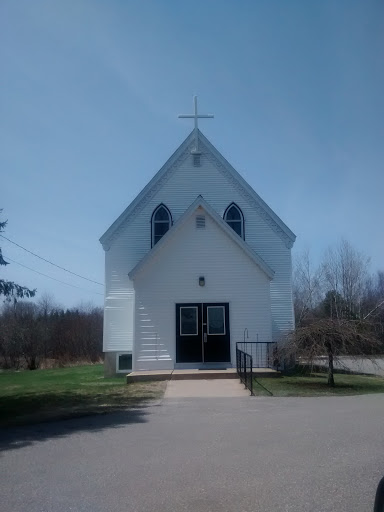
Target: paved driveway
[205,388]
[202,454]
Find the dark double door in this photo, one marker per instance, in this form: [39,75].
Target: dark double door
[202,333]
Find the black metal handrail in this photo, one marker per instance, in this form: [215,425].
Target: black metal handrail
[244,364]
[264,353]
[255,354]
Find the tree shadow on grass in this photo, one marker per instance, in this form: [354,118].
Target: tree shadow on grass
[306,371]
[72,414]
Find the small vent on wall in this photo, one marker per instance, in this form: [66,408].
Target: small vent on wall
[196,160]
[200,221]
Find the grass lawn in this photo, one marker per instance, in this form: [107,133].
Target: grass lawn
[315,384]
[43,395]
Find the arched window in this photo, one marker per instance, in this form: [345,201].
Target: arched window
[233,216]
[161,222]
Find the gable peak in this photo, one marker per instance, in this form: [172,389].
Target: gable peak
[173,163]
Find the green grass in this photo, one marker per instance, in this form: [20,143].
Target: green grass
[43,395]
[315,384]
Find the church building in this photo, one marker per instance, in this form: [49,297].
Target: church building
[194,262]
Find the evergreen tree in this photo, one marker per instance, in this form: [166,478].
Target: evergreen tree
[9,289]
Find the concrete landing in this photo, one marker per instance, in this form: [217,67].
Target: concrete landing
[194,374]
[205,388]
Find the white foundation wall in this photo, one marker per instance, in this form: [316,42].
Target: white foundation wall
[172,276]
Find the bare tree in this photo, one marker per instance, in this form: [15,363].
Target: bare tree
[332,338]
[46,306]
[306,287]
[373,303]
[27,333]
[10,350]
[345,271]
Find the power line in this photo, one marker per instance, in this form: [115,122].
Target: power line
[54,264]
[50,277]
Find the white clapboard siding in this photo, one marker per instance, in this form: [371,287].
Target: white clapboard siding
[119,302]
[172,276]
[132,242]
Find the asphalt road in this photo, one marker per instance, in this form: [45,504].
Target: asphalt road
[201,454]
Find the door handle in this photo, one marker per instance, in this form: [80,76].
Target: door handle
[205,337]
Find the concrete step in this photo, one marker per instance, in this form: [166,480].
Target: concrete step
[195,374]
[228,373]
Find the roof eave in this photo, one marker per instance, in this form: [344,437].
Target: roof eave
[291,235]
[105,238]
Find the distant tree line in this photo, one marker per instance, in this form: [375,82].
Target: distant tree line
[42,334]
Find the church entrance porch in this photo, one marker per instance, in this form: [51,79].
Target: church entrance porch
[202,333]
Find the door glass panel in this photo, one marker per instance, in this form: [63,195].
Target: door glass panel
[216,320]
[188,321]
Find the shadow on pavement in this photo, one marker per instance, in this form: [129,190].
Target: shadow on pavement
[12,438]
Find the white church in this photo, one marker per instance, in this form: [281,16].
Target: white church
[194,262]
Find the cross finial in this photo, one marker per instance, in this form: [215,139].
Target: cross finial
[196,116]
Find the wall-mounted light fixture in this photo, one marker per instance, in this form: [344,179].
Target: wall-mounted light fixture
[201,281]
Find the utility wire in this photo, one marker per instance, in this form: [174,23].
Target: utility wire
[54,264]
[54,279]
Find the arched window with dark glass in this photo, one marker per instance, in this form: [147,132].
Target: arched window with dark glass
[161,222]
[233,216]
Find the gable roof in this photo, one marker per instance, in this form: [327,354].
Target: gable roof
[224,167]
[201,203]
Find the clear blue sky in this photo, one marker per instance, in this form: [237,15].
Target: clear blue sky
[91,90]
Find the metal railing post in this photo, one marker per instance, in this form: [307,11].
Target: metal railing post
[251,390]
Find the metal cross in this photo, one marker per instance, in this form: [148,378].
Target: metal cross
[196,116]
